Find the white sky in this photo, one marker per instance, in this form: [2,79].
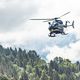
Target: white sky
[17,30]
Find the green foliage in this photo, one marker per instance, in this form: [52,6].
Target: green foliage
[44,76]
[3,78]
[24,76]
[17,64]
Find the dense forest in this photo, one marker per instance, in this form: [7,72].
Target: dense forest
[18,64]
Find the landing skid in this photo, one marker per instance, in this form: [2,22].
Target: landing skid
[52,35]
[64,33]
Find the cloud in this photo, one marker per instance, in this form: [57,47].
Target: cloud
[17,31]
[71,52]
[14,13]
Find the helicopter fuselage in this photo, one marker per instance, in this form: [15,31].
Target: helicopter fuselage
[58,28]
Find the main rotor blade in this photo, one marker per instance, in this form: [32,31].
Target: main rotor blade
[64,14]
[40,19]
[48,20]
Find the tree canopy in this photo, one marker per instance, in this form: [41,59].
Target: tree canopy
[18,64]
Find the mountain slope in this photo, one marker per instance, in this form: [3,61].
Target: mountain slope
[17,64]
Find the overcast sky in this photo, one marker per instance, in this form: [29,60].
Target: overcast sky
[17,30]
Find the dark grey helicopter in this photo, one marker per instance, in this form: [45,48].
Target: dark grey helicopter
[57,26]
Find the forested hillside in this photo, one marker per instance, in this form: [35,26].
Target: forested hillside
[17,64]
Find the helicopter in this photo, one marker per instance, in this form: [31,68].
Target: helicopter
[57,26]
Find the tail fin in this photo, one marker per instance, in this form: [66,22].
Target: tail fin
[66,24]
[73,24]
